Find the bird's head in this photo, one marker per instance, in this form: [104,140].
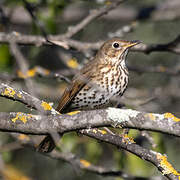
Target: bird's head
[115,49]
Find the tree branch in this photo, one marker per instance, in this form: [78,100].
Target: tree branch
[36,124]
[25,98]
[86,165]
[157,159]
[173,46]
[126,118]
[119,118]
[92,16]
[80,163]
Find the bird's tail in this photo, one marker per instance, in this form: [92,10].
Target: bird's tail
[46,145]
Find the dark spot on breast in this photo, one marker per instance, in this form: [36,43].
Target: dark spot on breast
[125,82]
[117,82]
[112,80]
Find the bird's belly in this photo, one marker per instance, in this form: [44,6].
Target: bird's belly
[97,95]
[90,99]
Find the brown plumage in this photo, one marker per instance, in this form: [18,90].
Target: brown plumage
[103,78]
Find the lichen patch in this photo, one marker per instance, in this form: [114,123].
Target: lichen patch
[167,167]
[22,117]
[85,163]
[126,139]
[23,137]
[171,116]
[121,115]
[46,106]
[10,92]
[102,131]
[73,113]
[72,63]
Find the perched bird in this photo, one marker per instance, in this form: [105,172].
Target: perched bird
[100,80]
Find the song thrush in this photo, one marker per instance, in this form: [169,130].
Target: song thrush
[103,78]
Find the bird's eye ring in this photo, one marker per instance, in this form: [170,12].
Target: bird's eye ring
[116,45]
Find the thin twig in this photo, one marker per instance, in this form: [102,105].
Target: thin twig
[22,64]
[92,16]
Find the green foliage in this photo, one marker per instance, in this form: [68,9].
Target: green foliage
[7,156]
[69,142]
[137,166]
[93,151]
[5,58]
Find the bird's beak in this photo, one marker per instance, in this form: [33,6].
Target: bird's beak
[132,43]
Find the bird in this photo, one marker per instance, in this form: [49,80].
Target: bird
[99,81]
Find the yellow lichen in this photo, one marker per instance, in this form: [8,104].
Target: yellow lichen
[167,167]
[94,131]
[150,116]
[46,71]
[102,131]
[19,95]
[9,92]
[20,74]
[46,106]
[22,117]
[29,73]
[85,163]
[72,63]
[126,139]
[171,116]
[23,137]
[73,113]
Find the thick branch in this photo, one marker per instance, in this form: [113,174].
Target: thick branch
[126,118]
[166,123]
[36,124]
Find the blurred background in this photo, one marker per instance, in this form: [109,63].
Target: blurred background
[154,80]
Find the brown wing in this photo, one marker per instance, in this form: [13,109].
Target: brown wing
[69,93]
[79,81]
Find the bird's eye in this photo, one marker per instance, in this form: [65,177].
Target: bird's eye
[116,45]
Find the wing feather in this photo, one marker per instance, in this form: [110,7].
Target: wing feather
[69,94]
[79,81]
